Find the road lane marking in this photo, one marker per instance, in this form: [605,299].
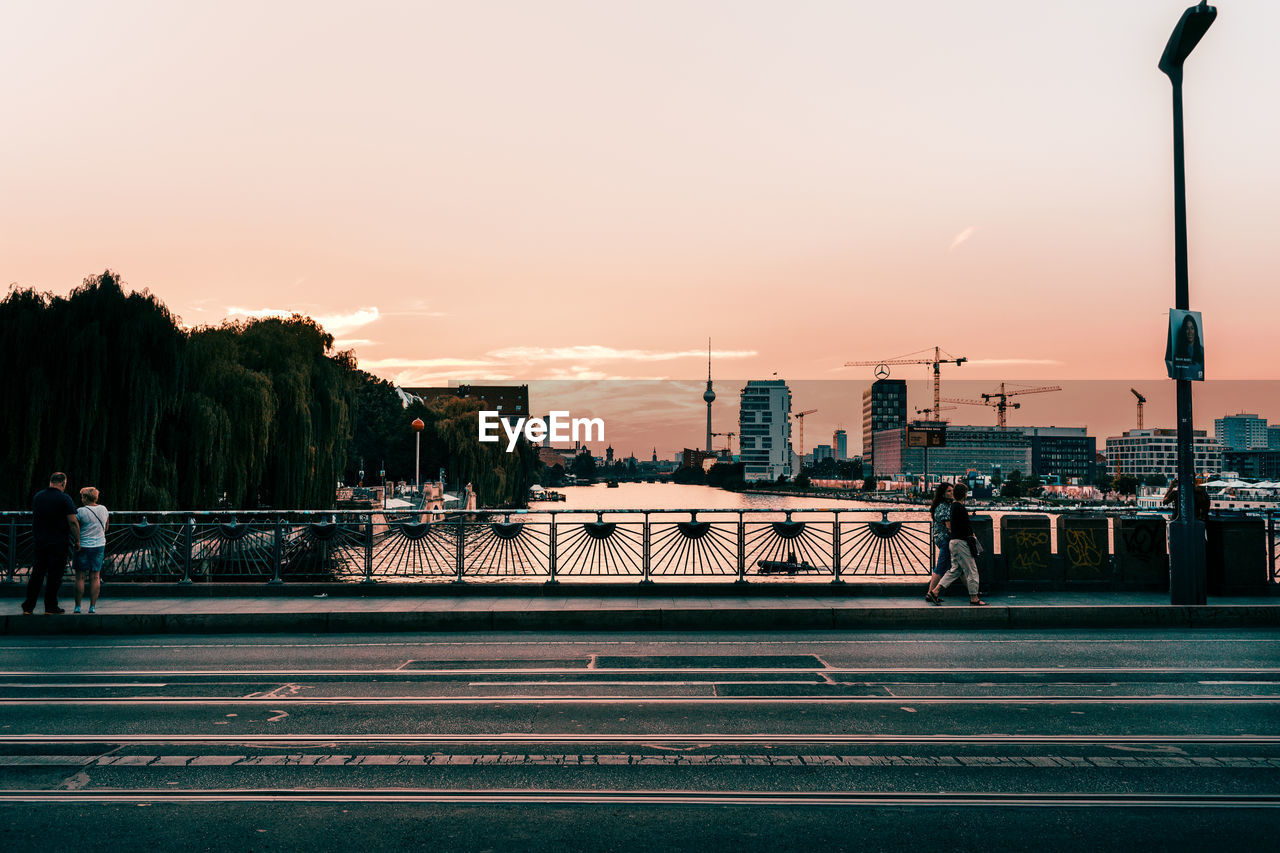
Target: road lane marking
[683,798]
[633,699]
[942,671]
[694,738]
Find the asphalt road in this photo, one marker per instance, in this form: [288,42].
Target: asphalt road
[895,741]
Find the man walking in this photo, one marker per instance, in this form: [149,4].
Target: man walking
[54,529]
[963,546]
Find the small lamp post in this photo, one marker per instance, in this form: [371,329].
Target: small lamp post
[1186,535]
[418,427]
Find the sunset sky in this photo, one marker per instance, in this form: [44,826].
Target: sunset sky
[515,190]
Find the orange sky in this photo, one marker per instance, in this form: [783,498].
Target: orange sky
[583,189]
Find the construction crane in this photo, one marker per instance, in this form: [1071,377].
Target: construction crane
[1141,402]
[799,416]
[936,362]
[728,448]
[920,411]
[1001,398]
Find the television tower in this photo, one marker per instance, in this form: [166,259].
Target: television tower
[709,395]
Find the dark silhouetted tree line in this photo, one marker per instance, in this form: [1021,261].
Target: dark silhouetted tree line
[106,386]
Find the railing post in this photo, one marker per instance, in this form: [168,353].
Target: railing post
[188,545]
[1271,546]
[462,535]
[277,552]
[551,553]
[742,549]
[644,550]
[11,553]
[368,549]
[835,547]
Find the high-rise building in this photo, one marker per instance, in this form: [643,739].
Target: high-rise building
[1241,432]
[1142,452]
[1273,438]
[884,406]
[821,452]
[840,441]
[764,429]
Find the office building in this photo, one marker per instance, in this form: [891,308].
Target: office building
[764,429]
[884,407]
[1273,438]
[1241,432]
[1068,453]
[979,449]
[1252,464]
[1143,452]
[840,442]
[510,401]
[821,452]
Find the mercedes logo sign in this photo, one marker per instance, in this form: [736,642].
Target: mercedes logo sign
[882,371]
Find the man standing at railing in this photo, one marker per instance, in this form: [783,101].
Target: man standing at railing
[54,528]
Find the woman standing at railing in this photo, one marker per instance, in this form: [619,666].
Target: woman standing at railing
[940,513]
[93,518]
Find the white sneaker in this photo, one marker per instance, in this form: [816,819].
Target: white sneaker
[77,610]
[92,609]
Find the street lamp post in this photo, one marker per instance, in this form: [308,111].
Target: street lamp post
[418,427]
[1186,535]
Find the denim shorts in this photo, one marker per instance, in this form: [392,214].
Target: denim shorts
[944,559]
[90,559]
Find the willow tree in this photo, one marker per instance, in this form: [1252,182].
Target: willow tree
[89,380]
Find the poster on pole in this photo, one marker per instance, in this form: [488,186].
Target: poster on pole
[1184,349]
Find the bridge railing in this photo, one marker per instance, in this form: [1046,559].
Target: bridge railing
[566,545]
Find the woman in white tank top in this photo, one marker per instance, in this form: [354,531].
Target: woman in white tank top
[93,518]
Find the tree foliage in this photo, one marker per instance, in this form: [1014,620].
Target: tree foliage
[106,385]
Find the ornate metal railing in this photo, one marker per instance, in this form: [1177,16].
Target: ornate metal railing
[487,545]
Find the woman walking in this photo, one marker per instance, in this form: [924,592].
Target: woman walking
[940,516]
[964,548]
[93,518]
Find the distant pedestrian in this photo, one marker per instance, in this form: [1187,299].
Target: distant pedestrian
[964,547]
[940,518]
[93,518]
[55,531]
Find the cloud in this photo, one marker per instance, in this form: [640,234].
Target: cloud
[1013,361]
[601,353]
[424,363]
[335,324]
[961,237]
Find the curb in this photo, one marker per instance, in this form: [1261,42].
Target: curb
[656,619]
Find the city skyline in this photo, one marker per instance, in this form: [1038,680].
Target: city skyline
[586,191]
[671,414]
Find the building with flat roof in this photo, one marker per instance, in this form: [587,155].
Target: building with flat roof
[1241,432]
[1252,464]
[510,401]
[969,448]
[1068,453]
[1143,452]
[764,429]
[840,442]
[884,407]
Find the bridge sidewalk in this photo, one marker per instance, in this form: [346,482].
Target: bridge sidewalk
[552,612]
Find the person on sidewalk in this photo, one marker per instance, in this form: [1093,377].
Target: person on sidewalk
[964,548]
[93,518]
[53,529]
[940,515]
